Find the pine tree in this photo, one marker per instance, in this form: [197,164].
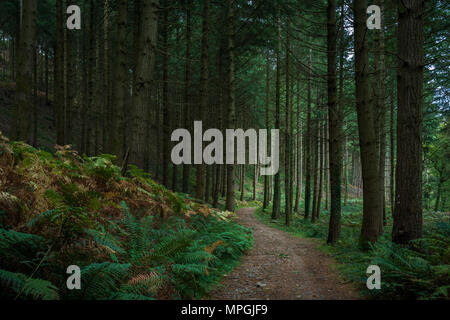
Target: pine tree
[408,195]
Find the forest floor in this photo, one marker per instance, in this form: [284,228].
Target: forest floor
[282,267]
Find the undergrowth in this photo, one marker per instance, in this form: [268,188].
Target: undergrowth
[420,271]
[131,237]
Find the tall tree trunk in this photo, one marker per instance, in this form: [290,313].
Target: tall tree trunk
[47,77]
[200,181]
[187,79]
[308,145]
[25,71]
[326,163]
[165,94]
[84,84]
[408,196]
[242,181]
[90,81]
[59,75]
[299,152]
[224,181]
[158,130]
[392,154]
[315,168]
[120,82]
[208,183]
[217,188]
[35,97]
[367,135]
[214,185]
[98,96]
[266,178]
[231,116]
[128,117]
[13,58]
[220,123]
[69,80]
[277,187]
[255,181]
[287,153]
[380,107]
[345,161]
[291,154]
[106,112]
[177,111]
[439,191]
[144,73]
[321,169]
[334,121]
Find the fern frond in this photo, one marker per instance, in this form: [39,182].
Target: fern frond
[20,246]
[105,239]
[42,216]
[24,286]
[40,289]
[100,280]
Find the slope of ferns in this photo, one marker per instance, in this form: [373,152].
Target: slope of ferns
[132,238]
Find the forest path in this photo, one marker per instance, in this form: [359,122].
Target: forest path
[281,267]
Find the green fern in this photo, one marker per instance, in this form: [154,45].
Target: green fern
[19,247]
[20,285]
[101,280]
[103,238]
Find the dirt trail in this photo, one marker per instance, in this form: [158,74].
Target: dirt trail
[282,267]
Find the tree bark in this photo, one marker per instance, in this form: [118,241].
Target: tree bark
[380,107]
[277,187]
[84,84]
[200,176]
[321,169]
[59,73]
[266,178]
[69,81]
[392,154]
[35,97]
[334,123]
[299,152]
[106,112]
[242,181]
[439,191]
[231,116]
[144,72]
[165,94]
[120,82]
[315,168]
[90,118]
[24,71]
[308,145]
[408,196]
[287,153]
[187,79]
[367,135]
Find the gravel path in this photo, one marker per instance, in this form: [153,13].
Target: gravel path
[282,267]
